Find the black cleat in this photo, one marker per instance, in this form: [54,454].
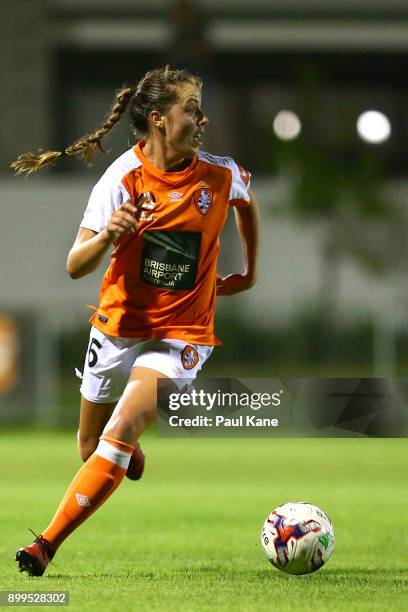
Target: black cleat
[136,465]
[34,558]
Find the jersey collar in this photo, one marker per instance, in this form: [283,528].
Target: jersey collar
[173,178]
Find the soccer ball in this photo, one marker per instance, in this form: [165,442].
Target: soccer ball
[298,538]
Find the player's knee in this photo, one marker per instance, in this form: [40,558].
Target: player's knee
[130,426]
[86,447]
[138,423]
[143,419]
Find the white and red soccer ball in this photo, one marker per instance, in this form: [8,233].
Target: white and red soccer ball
[298,538]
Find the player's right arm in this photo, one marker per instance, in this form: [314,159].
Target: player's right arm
[90,247]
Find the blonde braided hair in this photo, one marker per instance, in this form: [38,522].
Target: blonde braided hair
[86,147]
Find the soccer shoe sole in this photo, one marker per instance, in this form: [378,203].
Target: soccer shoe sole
[28,563]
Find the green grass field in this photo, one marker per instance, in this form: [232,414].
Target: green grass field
[187,537]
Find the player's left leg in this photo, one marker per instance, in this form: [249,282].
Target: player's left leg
[92,420]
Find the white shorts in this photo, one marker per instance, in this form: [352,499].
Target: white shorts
[110,359]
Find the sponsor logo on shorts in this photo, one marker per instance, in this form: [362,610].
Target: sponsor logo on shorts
[203,200]
[189,357]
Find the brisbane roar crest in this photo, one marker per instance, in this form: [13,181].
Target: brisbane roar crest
[203,199]
[189,357]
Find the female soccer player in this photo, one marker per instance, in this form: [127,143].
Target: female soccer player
[162,206]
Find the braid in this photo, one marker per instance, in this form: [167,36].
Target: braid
[86,147]
[31,162]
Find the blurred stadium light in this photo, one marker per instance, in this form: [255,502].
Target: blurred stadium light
[287,125]
[373,126]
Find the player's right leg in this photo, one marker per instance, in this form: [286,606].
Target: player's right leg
[99,477]
[106,468]
[92,420]
[93,484]
[108,363]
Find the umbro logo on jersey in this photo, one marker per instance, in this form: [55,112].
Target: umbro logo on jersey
[175,196]
[203,200]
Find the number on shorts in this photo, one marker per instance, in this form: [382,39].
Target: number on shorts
[92,354]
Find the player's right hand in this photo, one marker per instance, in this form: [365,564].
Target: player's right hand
[122,221]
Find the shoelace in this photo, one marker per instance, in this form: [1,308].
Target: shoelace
[43,542]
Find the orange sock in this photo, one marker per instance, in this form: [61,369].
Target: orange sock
[93,484]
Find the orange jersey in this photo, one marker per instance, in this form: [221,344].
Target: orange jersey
[161,282]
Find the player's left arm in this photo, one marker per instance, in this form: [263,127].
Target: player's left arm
[247,220]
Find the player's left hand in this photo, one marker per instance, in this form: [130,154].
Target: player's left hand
[233,283]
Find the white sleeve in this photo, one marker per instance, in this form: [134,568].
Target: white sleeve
[106,197]
[241,180]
